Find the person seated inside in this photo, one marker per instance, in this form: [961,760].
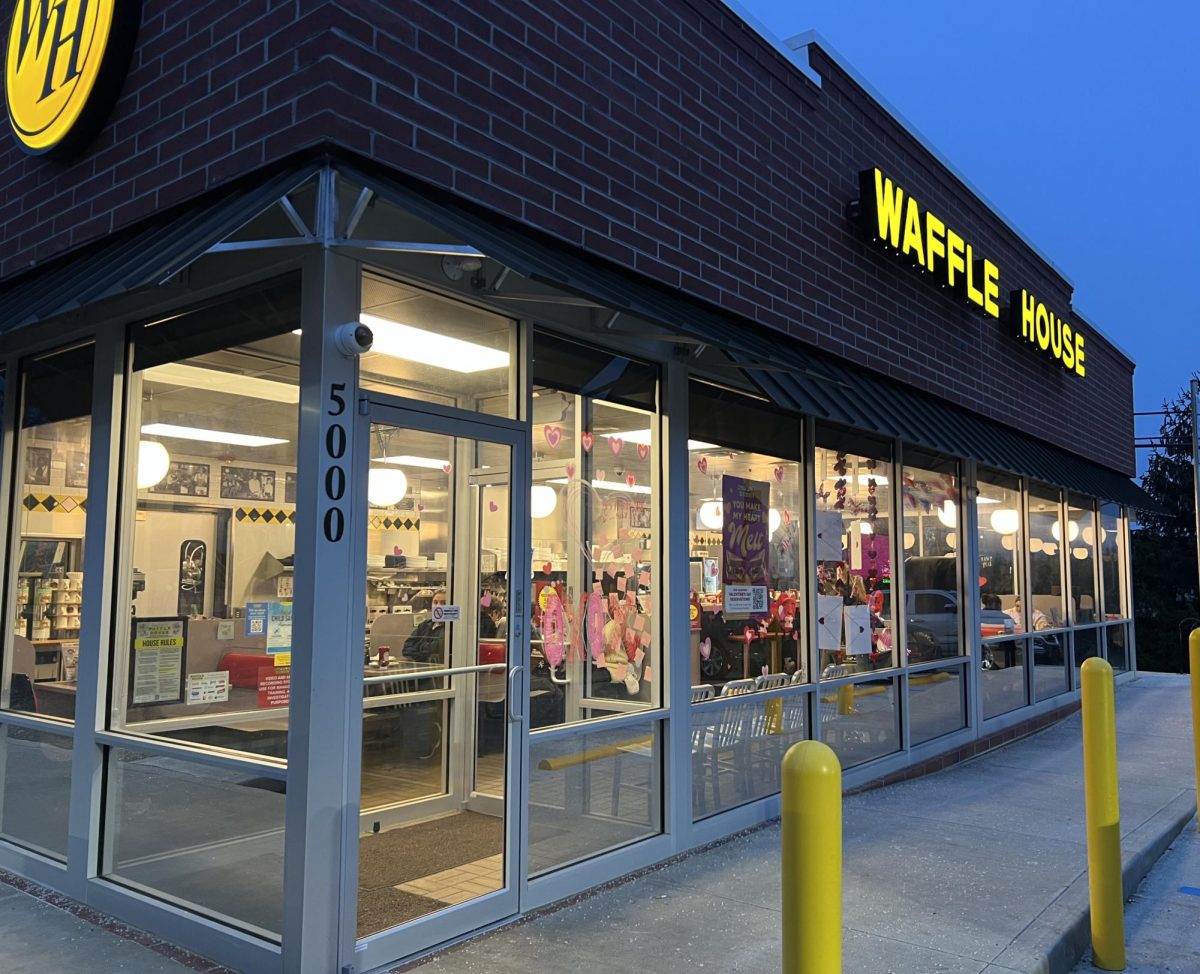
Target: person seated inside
[427,644]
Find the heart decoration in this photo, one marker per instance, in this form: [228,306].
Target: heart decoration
[749,634]
[615,443]
[570,471]
[706,647]
[766,670]
[553,435]
[446,467]
[643,450]
[630,479]
[397,551]
[492,507]
[486,600]
[779,474]
[787,516]
[820,620]
[702,464]
[420,507]
[586,439]
[548,568]
[600,475]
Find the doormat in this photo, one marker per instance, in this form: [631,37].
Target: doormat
[410,852]
[381,909]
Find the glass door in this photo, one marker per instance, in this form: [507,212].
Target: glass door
[439,740]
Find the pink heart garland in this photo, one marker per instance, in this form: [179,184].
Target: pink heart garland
[702,464]
[586,439]
[643,450]
[492,507]
[446,467]
[570,470]
[553,435]
[630,479]
[779,474]
[615,443]
[705,648]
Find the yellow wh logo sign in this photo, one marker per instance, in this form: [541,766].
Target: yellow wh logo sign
[64,66]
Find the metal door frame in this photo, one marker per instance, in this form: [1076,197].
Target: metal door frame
[454,921]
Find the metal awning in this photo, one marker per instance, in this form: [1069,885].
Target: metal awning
[804,380]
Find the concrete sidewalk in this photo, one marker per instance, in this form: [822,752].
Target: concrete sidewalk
[979,868]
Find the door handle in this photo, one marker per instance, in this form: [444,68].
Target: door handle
[512,696]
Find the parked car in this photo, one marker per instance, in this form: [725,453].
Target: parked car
[935,626]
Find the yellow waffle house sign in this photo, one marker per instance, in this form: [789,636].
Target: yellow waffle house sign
[895,220]
[64,64]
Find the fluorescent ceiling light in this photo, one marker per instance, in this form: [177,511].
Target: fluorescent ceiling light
[430,348]
[406,461]
[209,436]
[642,438]
[212,380]
[608,485]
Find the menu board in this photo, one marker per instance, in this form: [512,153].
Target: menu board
[158,660]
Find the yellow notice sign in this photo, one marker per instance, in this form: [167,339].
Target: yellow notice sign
[283,659]
[167,634]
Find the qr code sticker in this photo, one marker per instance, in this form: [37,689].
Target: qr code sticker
[758,599]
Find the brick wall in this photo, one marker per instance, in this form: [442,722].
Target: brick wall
[664,136]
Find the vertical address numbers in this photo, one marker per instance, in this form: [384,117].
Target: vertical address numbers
[335,473]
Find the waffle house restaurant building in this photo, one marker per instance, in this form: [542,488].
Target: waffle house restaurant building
[450,453]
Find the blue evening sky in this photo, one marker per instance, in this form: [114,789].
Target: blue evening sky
[1079,122]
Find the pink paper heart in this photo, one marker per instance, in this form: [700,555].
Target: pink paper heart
[630,479]
[787,516]
[705,648]
[749,634]
[553,435]
[702,464]
[397,550]
[570,470]
[547,568]
[600,475]
[779,474]
[492,507]
[486,600]
[643,450]
[615,443]
[446,467]
[766,670]
[420,507]
[586,439]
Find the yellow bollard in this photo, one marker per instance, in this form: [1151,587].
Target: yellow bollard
[812,860]
[845,699]
[1194,665]
[1103,815]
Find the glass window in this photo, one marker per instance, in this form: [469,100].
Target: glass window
[930,501]
[852,541]
[1086,644]
[595,511]
[208,839]
[1047,609]
[937,703]
[437,350]
[1112,548]
[35,789]
[205,605]
[1002,609]
[1003,675]
[1117,644]
[860,720]
[745,504]
[47,533]
[1080,547]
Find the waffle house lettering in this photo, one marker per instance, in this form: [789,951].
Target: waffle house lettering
[1041,327]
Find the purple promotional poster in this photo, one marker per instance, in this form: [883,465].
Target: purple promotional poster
[745,505]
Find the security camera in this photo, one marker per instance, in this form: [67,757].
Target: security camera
[353,338]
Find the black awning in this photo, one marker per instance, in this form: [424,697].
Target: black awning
[807,381]
[144,255]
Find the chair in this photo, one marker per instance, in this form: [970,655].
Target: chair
[772,681]
[799,678]
[703,692]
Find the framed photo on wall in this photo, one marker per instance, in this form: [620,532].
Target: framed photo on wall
[77,468]
[247,484]
[37,465]
[289,487]
[184,479]
[639,517]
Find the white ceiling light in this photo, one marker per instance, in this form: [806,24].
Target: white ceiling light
[231,383]
[948,513]
[910,539]
[866,478]
[386,488]
[1006,520]
[642,438]
[429,348]
[1079,553]
[543,499]
[407,461]
[774,519]
[864,527]
[1072,531]
[606,485]
[711,515]
[209,436]
[951,539]
[153,463]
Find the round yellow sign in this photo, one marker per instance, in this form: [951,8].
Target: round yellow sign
[62,67]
